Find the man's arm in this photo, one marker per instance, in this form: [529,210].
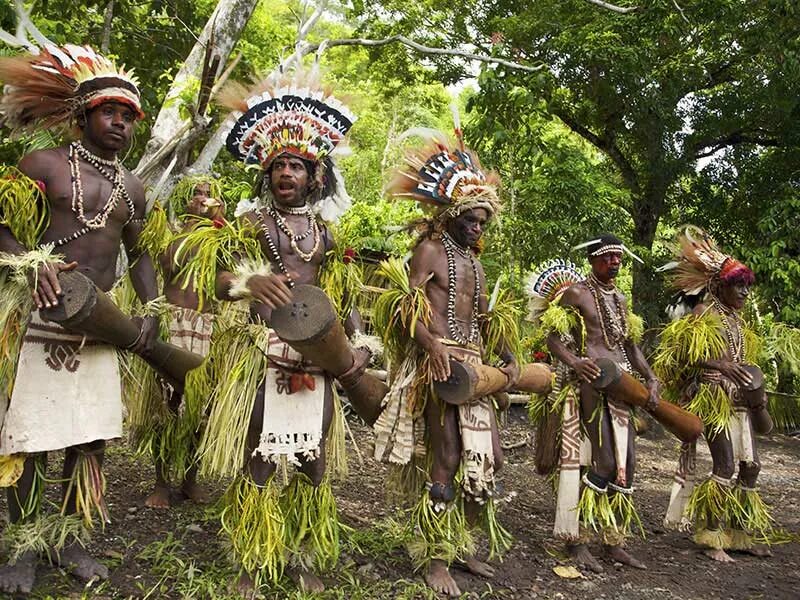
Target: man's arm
[503,350]
[38,166]
[272,290]
[422,269]
[585,368]
[142,271]
[730,369]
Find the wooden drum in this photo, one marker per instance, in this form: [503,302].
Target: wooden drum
[754,396]
[309,324]
[622,386]
[84,309]
[469,382]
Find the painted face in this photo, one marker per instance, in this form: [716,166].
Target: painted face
[606,266]
[109,126]
[734,295]
[467,228]
[289,180]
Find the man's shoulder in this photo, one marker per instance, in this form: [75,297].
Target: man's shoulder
[134,185]
[429,247]
[40,163]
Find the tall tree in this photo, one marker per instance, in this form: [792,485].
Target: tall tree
[655,89]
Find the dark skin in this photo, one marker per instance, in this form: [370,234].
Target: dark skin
[605,267]
[429,269]
[720,446]
[183,294]
[289,182]
[105,131]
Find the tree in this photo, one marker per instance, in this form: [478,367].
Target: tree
[654,90]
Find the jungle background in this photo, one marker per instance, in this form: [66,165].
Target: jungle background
[631,118]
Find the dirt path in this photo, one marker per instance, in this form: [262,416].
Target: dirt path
[177,554]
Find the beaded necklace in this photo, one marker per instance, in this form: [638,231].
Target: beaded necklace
[313,228]
[450,248]
[77,151]
[733,329]
[613,323]
[276,256]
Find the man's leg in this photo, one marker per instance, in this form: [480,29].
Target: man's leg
[721,448]
[473,509]
[18,578]
[747,481]
[159,498]
[441,422]
[258,470]
[315,471]
[597,426]
[617,552]
[73,556]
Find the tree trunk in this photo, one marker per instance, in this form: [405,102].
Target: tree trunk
[649,296]
[223,29]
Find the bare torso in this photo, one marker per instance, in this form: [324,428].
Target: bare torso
[580,296]
[97,250]
[429,262]
[301,272]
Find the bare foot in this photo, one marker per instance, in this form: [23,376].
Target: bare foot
[479,568]
[191,490]
[245,587]
[760,551]
[81,564]
[718,554]
[159,498]
[581,555]
[440,581]
[618,554]
[19,577]
[307,581]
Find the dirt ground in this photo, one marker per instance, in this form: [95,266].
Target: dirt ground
[177,553]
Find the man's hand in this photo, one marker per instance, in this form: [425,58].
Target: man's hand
[654,394]
[47,289]
[735,372]
[586,369]
[440,360]
[271,290]
[148,335]
[512,372]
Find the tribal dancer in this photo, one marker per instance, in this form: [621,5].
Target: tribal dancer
[587,320]
[271,404]
[66,393]
[441,304]
[703,357]
[165,422]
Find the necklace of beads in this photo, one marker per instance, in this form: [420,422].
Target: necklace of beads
[733,329]
[276,256]
[450,249]
[117,178]
[313,228]
[613,323]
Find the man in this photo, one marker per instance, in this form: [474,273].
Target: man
[600,326]
[702,356]
[67,391]
[170,428]
[294,404]
[461,440]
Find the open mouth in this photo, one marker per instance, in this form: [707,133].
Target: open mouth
[286,186]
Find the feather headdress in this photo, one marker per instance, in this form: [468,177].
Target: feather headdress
[606,244]
[48,90]
[547,283]
[291,113]
[285,113]
[700,264]
[444,176]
